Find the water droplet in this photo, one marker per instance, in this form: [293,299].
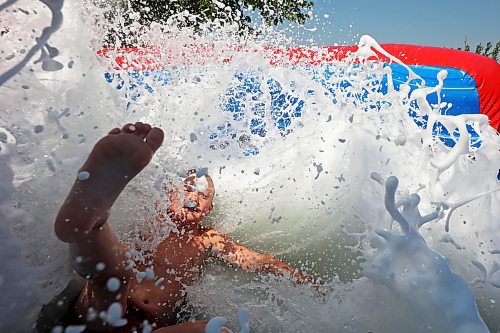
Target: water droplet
[113,284]
[83,175]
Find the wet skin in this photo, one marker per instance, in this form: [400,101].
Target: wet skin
[179,258]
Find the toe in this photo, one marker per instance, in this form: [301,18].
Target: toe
[154,138]
[142,129]
[129,128]
[115,130]
[139,127]
[147,128]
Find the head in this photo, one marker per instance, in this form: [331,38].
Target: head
[193,200]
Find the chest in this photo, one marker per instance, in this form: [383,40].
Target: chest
[180,253]
[177,263]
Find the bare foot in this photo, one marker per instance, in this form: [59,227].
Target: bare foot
[114,161]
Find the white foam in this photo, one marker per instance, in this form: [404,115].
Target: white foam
[100,266]
[150,274]
[407,266]
[300,198]
[113,284]
[215,325]
[243,320]
[75,328]
[113,315]
[83,175]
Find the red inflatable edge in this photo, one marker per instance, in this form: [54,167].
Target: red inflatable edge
[485,71]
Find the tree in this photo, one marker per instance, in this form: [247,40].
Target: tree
[496,50]
[466,45]
[241,13]
[479,48]
[231,11]
[486,52]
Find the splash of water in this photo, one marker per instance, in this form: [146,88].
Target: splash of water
[292,170]
[410,268]
[48,63]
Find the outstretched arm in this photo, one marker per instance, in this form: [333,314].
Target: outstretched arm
[236,254]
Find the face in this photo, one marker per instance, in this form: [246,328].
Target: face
[192,201]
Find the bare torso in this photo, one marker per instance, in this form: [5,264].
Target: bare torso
[178,260]
[177,263]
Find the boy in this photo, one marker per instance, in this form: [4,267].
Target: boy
[114,299]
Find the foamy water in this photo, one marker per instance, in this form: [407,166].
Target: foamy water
[318,194]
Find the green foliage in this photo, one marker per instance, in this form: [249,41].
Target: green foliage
[487,50]
[231,11]
[466,45]
[496,50]
[241,13]
[479,48]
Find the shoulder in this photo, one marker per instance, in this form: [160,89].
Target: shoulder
[213,236]
[217,242]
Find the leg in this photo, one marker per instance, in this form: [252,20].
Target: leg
[81,221]
[114,161]
[97,253]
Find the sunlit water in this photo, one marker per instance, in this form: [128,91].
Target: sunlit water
[312,192]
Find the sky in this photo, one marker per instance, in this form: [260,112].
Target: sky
[443,23]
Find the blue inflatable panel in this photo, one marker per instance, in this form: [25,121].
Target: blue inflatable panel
[458,87]
[459,90]
[285,109]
